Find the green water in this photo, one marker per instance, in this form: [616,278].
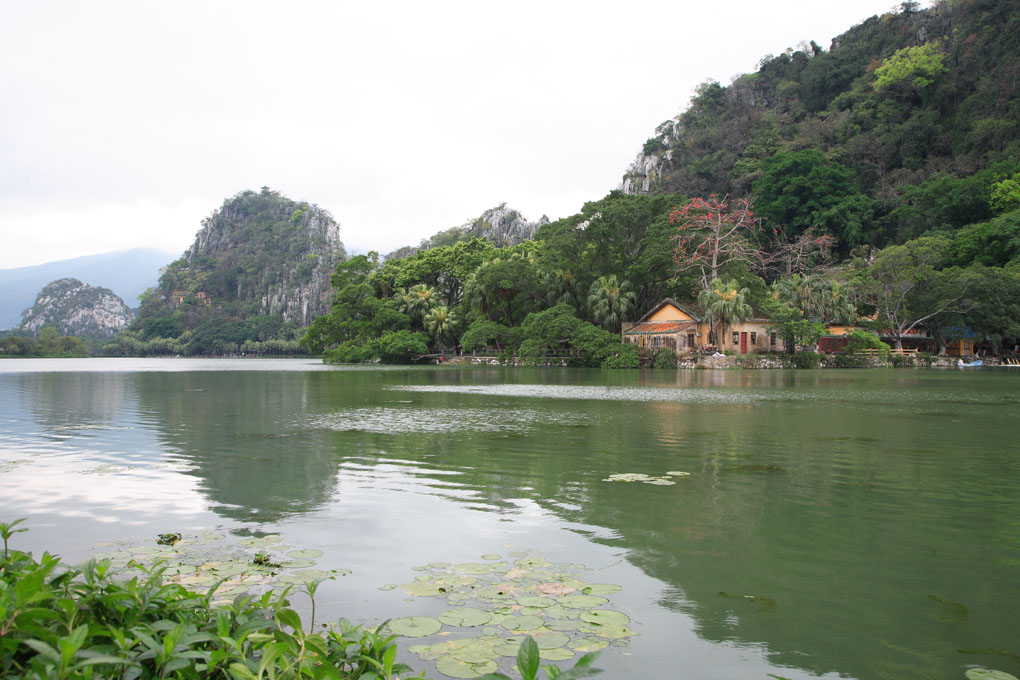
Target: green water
[875,515]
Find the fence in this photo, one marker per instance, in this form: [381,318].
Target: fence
[872,352]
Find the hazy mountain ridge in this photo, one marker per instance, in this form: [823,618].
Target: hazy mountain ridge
[128,273]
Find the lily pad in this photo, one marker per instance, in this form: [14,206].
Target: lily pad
[601,589]
[605,617]
[438,565]
[613,632]
[535,601]
[678,473]
[555,654]
[414,626]
[472,568]
[987,674]
[466,617]
[563,624]
[305,554]
[388,586]
[507,646]
[551,639]
[588,644]
[262,542]
[491,556]
[473,651]
[582,601]
[297,564]
[452,668]
[303,576]
[424,589]
[522,623]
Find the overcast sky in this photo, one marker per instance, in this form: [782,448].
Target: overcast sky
[123,124]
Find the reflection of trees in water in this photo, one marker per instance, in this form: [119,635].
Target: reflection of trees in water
[246,436]
[69,400]
[841,516]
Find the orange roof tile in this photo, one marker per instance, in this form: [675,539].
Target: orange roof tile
[658,327]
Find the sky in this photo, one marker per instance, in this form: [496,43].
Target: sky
[124,124]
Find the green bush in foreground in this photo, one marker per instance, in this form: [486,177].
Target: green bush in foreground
[58,621]
[63,622]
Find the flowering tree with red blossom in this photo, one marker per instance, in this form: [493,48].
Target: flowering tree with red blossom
[712,233]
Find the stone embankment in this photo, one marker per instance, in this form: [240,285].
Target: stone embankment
[755,362]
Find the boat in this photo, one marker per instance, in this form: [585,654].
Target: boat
[976,362]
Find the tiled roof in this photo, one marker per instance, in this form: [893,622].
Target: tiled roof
[658,327]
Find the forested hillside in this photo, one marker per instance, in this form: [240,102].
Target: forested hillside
[875,183]
[903,126]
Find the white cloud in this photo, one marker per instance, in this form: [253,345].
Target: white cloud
[124,123]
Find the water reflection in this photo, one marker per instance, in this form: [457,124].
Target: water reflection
[242,436]
[836,502]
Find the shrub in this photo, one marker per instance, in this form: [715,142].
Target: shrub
[806,360]
[860,339]
[664,357]
[80,623]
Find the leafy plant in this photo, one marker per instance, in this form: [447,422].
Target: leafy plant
[528,663]
[62,622]
[168,539]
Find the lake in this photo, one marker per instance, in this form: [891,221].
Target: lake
[852,524]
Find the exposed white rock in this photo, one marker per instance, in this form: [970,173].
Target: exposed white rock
[76,308]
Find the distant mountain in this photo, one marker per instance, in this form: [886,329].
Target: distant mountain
[126,272]
[501,225]
[76,308]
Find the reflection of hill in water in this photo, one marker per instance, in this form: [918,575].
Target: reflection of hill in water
[242,434]
[839,517]
[74,400]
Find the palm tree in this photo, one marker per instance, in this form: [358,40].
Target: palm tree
[561,284]
[724,304]
[440,322]
[610,300]
[422,300]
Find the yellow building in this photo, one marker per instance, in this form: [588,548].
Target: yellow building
[670,324]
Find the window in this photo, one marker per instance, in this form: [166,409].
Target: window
[772,339]
[690,339]
[736,337]
[754,338]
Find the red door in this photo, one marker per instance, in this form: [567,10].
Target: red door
[743,343]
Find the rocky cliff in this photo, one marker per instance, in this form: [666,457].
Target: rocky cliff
[76,308]
[501,225]
[260,254]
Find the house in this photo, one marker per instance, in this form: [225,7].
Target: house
[670,324]
[960,341]
[177,297]
[917,338]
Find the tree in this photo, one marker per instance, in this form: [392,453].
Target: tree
[505,289]
[724,304]
[610,300]
[892,282]
[802,190]
[713,233]
[440,322]
[918,66]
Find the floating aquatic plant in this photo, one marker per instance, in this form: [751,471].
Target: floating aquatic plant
[987,674]
[168,539]
[647,479]
[208,559]
[498,604]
